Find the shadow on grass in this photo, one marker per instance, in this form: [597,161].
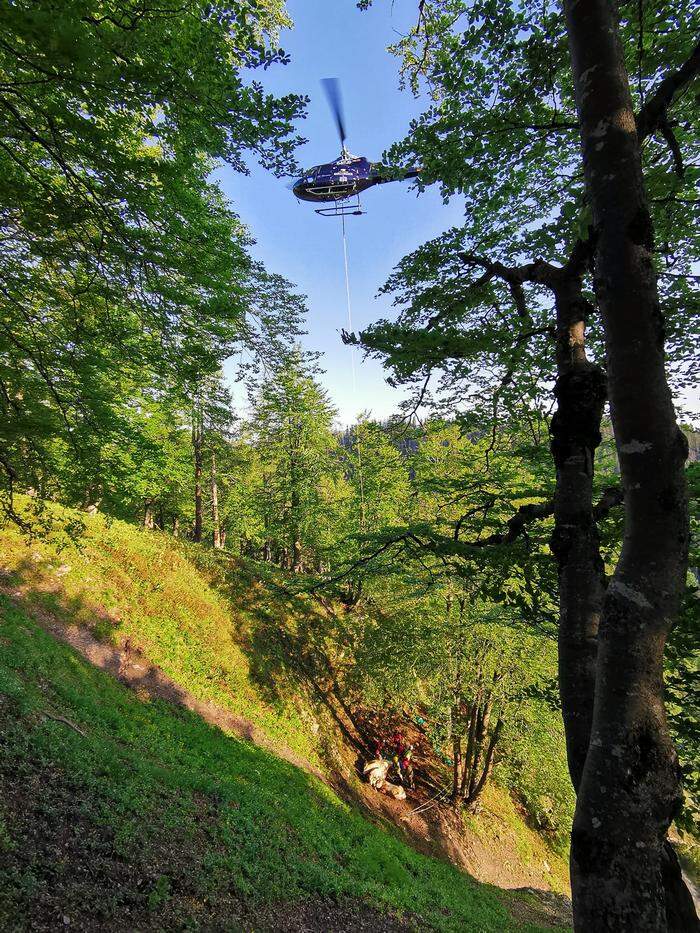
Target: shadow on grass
[286,645]
[132,812]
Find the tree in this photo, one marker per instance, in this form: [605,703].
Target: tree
[450,637]
[374,497]
[502,130]
[212,419]
[124,272]
[291,423]
[629,791]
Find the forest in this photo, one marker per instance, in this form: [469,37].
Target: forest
[266,668]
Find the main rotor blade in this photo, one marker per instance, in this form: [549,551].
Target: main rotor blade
[332,88]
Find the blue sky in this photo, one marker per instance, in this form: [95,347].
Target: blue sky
[332,38]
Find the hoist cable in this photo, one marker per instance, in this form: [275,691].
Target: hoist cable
[347,295]
[354,377]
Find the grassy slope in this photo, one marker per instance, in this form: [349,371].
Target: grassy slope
[122,582]
[153,819]
[173,820]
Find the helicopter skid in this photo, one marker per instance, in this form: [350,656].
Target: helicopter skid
[342,209]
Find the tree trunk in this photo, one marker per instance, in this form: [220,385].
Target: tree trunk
[489,759]
[296,480]
[629,789]
[148,521]
[575,434]
[456,752]
[482,724]
[197,445]
[297,561]
[469,754]
[216,529]
[581,391]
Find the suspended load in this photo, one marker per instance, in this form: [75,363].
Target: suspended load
[376,772]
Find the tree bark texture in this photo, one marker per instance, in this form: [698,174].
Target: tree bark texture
[198,452]
[580,391]
[216,528]
[456,751]
[629,789]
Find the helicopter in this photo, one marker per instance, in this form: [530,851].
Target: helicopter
[337,182]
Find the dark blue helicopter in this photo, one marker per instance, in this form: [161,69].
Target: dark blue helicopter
[346,177]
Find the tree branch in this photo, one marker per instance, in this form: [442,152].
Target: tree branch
[66,722]
[668,134]
[653,114]
[515,526]
[612,496]
[538,272]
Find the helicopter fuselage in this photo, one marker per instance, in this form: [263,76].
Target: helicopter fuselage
[334,181]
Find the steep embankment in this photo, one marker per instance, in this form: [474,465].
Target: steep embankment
[137,591]
[139,808]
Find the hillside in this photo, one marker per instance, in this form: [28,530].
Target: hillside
[137,805]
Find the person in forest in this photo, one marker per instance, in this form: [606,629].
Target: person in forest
[406,768]
[398,743]
[401,755]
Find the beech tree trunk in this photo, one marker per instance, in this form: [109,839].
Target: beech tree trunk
[456,751]
[580,391]
[629,788]
[197,446]
[216,528]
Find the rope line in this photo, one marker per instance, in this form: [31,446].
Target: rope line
[354,377]
[427,804]
[347,295]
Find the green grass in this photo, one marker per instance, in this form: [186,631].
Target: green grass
[154,820]
[123,582]
[499,822]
